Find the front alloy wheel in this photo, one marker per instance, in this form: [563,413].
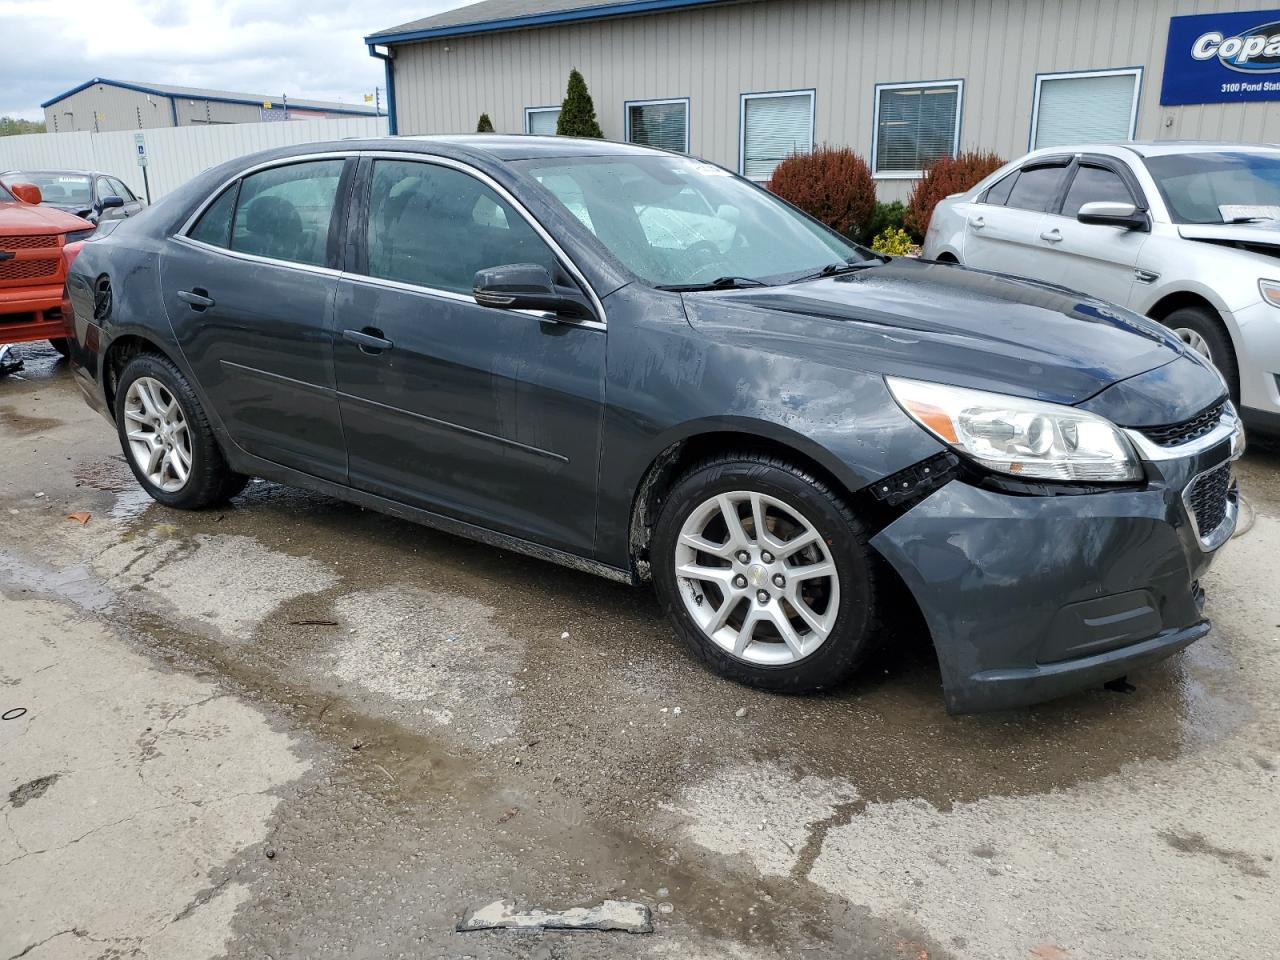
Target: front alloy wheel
[159,440]
[765,572]
[756,577]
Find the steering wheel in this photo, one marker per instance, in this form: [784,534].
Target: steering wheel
[701,256]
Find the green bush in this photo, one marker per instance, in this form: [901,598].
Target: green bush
[485,125]
[578,111]
[886,216]
[894,241]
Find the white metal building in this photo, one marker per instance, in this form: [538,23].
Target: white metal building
[745,82]
[101,106]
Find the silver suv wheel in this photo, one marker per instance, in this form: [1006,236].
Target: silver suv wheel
[757,578]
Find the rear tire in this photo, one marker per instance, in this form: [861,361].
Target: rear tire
[755,586]
[166,437]
[1202,331]
[61,345]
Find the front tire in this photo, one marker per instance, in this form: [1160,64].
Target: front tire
[166,437]
[766,573]
[1202,331]
[61,345]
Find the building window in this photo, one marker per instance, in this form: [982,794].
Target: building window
[663,124]
[915,124]
[1094,106]
[773,126]
[541,120]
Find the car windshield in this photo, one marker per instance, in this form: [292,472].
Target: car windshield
[1219,187]
[5,194]
[68,188]
[677,222]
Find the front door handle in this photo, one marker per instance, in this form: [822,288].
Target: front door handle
[370,340]
[977,223]
[197,297]
[1053,236]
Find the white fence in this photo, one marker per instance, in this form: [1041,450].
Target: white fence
[174,154]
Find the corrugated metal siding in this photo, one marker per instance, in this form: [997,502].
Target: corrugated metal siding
[118,108]
[174,155]
[841,48]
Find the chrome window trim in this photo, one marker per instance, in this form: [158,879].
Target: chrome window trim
[247,171]
[1228,428]
[519,207]
[183,232]
[254,258]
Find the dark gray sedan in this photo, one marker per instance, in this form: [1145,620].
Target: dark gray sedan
[637,364]
[88,194]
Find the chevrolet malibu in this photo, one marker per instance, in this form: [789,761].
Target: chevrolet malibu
[639,365]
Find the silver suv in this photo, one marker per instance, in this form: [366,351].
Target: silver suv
[1185,233]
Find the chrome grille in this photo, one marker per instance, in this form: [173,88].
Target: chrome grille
[1207,499]
[1174,434]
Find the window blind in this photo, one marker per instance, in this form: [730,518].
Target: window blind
[915,126]
[1085,109]
[773,128]
[543,122]
[661,125]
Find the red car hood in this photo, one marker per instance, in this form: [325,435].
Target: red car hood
[24,219]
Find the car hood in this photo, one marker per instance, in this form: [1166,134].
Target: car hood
[946,323]
[18,218]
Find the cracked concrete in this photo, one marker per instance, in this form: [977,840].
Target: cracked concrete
[153,791]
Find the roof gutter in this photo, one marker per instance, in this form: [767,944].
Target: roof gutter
[594,12]
[390,73]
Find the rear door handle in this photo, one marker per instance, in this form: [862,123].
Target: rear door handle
[197,297]
[977,223]
[1053,236]
[369,340]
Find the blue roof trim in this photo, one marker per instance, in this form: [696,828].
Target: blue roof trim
[539,19]
[170,95]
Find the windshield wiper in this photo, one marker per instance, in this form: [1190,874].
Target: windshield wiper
[844,266]
[1258,218]
[719,283]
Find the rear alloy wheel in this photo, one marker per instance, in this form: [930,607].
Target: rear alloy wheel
[167,439]
[1202,331]
[765,573]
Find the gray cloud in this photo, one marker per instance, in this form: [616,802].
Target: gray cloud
[305,48]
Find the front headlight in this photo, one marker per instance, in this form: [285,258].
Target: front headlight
[1270,291]
[1022,438]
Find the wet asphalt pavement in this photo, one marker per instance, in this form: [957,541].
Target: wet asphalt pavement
[295,728]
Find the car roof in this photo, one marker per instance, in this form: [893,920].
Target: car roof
[523,146]
[1153,148]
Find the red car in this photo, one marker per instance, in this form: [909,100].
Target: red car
[37,245]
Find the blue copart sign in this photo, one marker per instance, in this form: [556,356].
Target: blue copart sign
[1222,58]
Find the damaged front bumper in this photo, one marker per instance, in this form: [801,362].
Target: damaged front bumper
[1032,597]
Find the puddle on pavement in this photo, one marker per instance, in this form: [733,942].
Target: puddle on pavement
[24,425]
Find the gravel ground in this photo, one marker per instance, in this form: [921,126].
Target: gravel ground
[294,728]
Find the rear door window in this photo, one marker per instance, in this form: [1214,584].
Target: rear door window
[998,192]
[214,225]
[1036,188]
[1092,184]
[434,226]
[284,212]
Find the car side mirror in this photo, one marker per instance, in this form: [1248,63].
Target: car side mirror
[26,192]
[109,203]
[528,286]
[1109,213]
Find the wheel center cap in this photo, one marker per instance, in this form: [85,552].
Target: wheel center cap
[757,575]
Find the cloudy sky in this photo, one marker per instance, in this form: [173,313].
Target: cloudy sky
[305,48]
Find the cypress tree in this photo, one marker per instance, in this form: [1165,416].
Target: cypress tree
[578,112]
[485,125]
